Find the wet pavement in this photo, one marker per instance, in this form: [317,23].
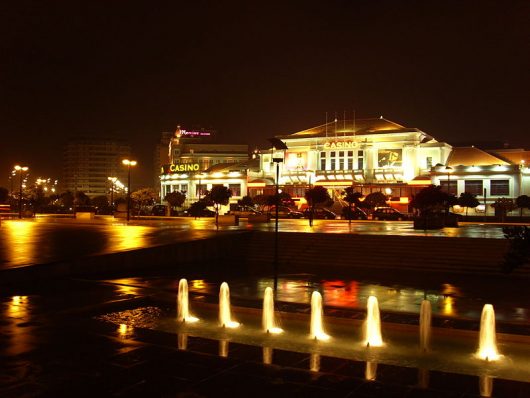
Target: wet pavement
[45,240]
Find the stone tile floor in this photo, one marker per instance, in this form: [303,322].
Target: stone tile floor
[51,346]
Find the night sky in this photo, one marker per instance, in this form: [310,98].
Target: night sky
[458,70]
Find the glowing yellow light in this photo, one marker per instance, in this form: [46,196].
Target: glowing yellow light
[488,339]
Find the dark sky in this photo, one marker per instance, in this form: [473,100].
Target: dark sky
[458,70]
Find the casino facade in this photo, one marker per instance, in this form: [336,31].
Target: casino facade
[372,155]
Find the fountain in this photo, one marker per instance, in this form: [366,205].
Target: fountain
[316,330]
[268,313]
[225,318]
[425,325]
[487,348]
[372,326]
[183,312]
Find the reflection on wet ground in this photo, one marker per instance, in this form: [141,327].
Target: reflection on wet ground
[447,300]
[29,242]
[26,242]
[50,345]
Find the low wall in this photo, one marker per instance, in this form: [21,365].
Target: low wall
[253,252]
[313,253]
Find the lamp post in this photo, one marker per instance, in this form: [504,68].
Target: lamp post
[129,164]
[20,169]
[277,145]
[448,170]
[112,182]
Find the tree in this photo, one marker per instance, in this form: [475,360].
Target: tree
[518,253]
[196,208]
[468,200]
[175,199]
[102,205]
[246,201]
[4,194]
[66,199]
[373,200]
[523,202]
[144,197]
[503,206]
[433,199]
[81,199]
[219,195]
[353,198]
[314,196]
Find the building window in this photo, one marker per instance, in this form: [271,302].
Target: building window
[360,160]
[322,160]
[500,187]
[200,190]
[453,186]
[474,187]
[235,188]
[429,162]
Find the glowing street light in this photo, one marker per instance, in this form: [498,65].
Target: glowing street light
[129,163]
[112,182]
[20,169]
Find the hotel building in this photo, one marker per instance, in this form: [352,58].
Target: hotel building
[196,165]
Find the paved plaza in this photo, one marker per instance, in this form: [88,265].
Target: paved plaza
[64,336]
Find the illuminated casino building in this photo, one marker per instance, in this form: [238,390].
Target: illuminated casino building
[369,154]
[372,155]
[195,165]
[378,155]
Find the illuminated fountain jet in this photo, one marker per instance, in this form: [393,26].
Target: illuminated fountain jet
[372,325]
[487,348]
[268,321]
[183,311]
[225,317]
[317,329]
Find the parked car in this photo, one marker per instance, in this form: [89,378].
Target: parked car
[320,214]
[244,211]
[388,213]
[354,214]
[202,213]
[159,210]
[285,212]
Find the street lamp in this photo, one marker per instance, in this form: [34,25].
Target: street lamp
[112,182]
[20,169]
[129,164]
[277,145]
[448,170]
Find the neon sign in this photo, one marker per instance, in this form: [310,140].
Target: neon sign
[339,144]
[193,133]
[176,168]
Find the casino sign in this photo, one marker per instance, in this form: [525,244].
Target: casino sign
[179,168]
